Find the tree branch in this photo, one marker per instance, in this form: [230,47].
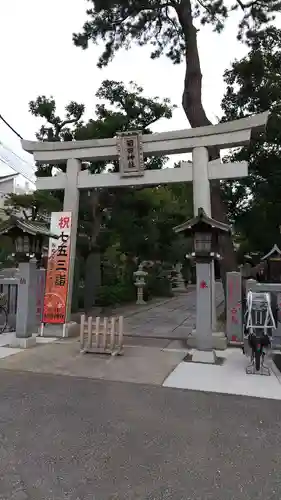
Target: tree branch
[248,5]
[206,8]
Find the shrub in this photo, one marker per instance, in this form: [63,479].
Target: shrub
[118,293]
[158,283]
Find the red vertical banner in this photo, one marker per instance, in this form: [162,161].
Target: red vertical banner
[56,289]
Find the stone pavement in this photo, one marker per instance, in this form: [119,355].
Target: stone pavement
[151,352]
[173,319]
[140,364]
[80,439]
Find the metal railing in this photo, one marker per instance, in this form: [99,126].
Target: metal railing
[9,282]
[9,287]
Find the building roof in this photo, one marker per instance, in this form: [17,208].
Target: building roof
[275,249]
[202,218]
[8,177]
[27,226]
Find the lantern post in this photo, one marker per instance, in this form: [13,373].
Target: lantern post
[205,232]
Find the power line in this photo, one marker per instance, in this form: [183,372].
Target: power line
[10,127]
[16,168]
[19,165]
[19,171]
[17,156]
[7,161]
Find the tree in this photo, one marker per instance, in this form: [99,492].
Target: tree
[121,109]
[150,215]
[253,86]
[169,26]
[32,206]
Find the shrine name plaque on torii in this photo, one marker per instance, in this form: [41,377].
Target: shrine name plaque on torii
[130,148]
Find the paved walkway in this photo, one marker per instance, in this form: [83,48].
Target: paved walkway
[173,319]
[79,439]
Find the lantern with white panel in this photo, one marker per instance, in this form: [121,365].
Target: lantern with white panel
[205,233]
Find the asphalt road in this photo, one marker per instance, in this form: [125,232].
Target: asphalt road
[63,438]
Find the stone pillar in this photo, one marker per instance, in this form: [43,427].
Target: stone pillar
[202,198]
[234,309]
[71,204]
[26,321]
[214,302]
[204,340]
[201,184]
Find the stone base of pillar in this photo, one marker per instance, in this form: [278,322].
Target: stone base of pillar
[208,357]
[140,302]
[23,343]
[219,340]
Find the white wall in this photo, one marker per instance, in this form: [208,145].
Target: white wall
[6,187]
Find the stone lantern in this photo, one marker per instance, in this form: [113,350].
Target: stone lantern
[140,283]
[27,237]
[205,232]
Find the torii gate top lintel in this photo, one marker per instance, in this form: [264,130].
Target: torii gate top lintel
[223,135]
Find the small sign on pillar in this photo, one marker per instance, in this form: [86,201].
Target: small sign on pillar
[234,312]
[203,285]
[130,151]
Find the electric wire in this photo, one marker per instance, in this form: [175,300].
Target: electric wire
[17,156]
[10,126]
[16,169]
[7,161]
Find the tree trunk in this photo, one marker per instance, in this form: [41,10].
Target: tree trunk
[92,280]
[196,115]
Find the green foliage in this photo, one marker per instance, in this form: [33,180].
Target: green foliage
[253,86]
[112,295]
[145,220]
[121,108]
[57,129]
[168,27]
[158,282]
[122,223]
[163,24]
[117,278]
[34,206]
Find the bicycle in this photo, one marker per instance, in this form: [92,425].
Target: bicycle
[258,327]
[3,312]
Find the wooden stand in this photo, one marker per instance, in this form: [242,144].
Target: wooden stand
[105,336]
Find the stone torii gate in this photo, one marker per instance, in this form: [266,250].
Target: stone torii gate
[200,171]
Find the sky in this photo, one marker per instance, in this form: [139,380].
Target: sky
[38,57]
